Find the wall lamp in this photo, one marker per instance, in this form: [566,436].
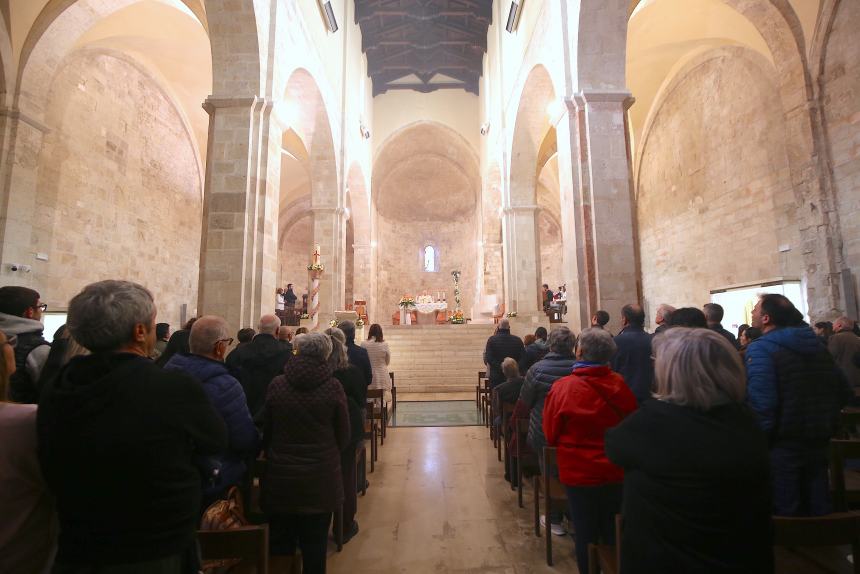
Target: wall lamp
[514,16]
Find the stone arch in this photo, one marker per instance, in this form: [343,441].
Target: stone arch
[428,164]
[304,110]
[601,49]
[530,129]
[57,29]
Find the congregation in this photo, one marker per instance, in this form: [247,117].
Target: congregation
[695,437]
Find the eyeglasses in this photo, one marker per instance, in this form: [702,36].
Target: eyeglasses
[229,341]
[41,307]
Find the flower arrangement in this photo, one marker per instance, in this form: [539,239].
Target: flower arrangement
[512,314]
[315,267]
[407,301]
[457,318]
[304,316]
[359,322]
[456,275]
[332,323]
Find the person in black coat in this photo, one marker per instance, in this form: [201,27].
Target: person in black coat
[357,355]
[535,351]
[696,481]
[633,359]
[500,345]
[352,380]
[714,314]
[260,361]
[118,437]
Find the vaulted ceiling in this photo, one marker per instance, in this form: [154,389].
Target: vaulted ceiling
[424,45]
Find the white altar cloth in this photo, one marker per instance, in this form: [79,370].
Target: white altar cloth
[431,308]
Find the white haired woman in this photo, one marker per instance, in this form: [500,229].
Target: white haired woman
[577,412]
[306,427]
[696,487]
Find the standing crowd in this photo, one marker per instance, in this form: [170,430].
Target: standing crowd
[118,435]
[694,436]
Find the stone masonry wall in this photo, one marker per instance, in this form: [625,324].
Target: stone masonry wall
[294,255]
[841,91]
[715,204]
[401,263]
[118,187]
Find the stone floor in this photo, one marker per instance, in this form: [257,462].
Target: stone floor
[470,396]
[438,503]
[436,414]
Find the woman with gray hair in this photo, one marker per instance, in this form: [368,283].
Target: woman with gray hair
[578,411]
[352,380]
[306,427]
[696,486]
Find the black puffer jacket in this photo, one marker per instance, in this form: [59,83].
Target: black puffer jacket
[306,428]
[255,365]
[539,380]
[499,346]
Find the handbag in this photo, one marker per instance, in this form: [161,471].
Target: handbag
[223,514]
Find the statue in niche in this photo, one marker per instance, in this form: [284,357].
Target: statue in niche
[429,258]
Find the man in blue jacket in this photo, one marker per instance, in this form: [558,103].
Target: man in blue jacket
[209,342]
[795,388]
[633,360]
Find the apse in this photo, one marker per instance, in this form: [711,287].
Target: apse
[425,189]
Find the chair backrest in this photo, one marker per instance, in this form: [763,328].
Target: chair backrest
[481,376]
[391,374]
[839,451]
[250,544]
[848,420]
[829,530]
[550,459]
[375,393]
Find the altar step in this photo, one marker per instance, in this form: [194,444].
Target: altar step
[437,358]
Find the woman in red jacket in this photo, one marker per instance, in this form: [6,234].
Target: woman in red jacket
[578,411]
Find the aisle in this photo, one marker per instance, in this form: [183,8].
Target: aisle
[438,503]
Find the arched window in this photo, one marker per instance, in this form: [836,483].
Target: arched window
[430,258]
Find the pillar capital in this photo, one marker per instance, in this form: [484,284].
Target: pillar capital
[585,97]
[212,103]
[521,209]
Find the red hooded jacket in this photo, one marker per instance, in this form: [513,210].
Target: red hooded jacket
[577,412]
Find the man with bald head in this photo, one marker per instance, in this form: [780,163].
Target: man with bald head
[844,345]
[260,361]
[209,340]
[633,359]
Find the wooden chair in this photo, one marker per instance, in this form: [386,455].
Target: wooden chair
[481,376]
[552,490]
[378,410]
[845,484]
[393,393]
[250,544]
[849,419]
[485,402]
[361,469]
[522,458]
[370,433]
[604,558]
[507,411]
[791,534]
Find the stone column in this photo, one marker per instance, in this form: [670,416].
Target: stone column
[20,146]
[362,257]
[329,232]
[238,252]
[594,167]
[522,291]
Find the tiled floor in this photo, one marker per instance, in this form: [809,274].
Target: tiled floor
[436,414]
[438,503]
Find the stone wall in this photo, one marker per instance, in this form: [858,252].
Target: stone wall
[715,205]
[294,255]
[400,265]
[118,193]
[841,95]
[549,233]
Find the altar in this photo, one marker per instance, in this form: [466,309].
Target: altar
[426,310]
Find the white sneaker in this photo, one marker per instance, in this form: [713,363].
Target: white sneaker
[557,529]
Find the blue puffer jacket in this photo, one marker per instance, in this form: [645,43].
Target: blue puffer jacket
[227,396]
[539,380]
[794,386]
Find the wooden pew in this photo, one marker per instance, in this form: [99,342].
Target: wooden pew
[553,491]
